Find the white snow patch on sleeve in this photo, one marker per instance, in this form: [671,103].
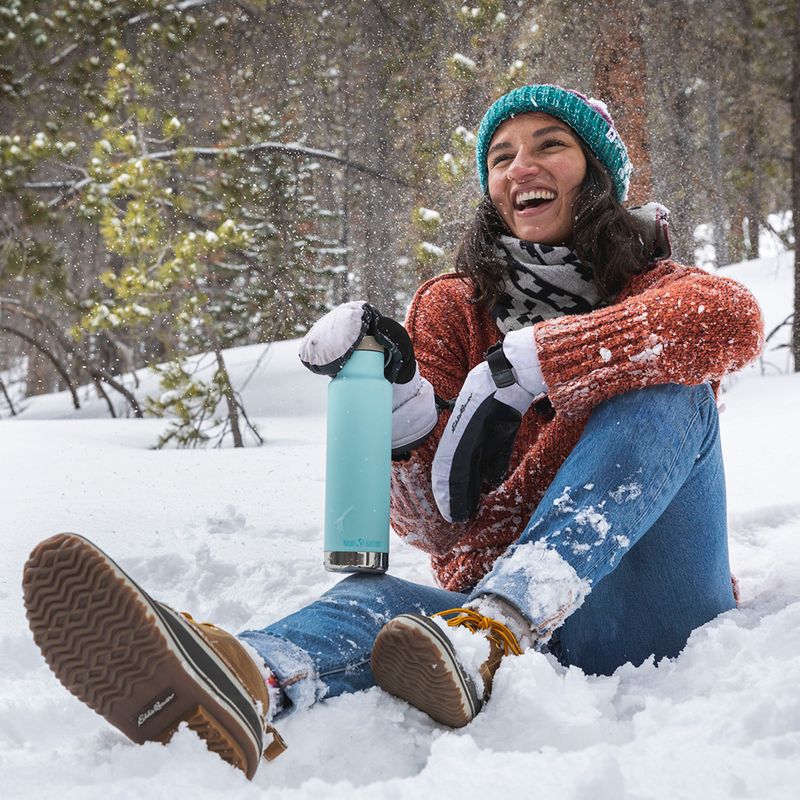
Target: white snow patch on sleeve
[648,354]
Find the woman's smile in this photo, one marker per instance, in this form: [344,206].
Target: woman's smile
[530,202]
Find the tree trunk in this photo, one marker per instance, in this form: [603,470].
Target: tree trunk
[753,168]
[620,80]
[343,278]
[377,259]
[736,236]
[40,378]
[753,192]
[230,398]
[683,184]
[718,215]
[796,184]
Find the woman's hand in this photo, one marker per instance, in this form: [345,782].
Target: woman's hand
[331,341]
[476,445]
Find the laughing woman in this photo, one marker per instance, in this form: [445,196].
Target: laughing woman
[556,452]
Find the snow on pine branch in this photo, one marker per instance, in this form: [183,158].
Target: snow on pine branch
[70,188]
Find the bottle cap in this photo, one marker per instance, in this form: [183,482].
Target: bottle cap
[370,343]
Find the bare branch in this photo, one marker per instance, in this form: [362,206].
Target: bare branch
[787,321]
[7,398]
[102,392]
[72,349]
[74,189]
[69,189]
[250,425]
[293,150]
[49,355]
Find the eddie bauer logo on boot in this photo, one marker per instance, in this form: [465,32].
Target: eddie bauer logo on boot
[154,708]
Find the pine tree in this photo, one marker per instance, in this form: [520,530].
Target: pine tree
[153,206]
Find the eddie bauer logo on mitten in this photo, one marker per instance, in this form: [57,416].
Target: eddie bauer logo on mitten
[460,413]
[154,707]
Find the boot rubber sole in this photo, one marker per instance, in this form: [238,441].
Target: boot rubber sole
[414,660]
[134,661]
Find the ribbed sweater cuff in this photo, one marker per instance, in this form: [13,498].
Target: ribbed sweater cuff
[588,358]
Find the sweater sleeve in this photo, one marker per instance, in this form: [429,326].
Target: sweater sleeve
[674,324]
[440,336]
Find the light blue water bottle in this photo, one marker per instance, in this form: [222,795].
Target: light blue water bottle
[358,466]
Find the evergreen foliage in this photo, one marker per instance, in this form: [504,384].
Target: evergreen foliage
[180,176]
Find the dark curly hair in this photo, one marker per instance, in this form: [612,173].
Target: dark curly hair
[605,235]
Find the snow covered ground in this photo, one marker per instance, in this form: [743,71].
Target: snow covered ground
[235,537]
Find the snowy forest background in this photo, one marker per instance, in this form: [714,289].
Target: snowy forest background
[186,186]
[183,177]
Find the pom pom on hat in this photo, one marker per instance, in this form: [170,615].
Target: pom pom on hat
[589,118]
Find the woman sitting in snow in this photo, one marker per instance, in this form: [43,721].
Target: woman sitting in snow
[572,497]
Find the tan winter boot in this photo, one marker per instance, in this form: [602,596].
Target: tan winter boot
[414,659]
[137,662]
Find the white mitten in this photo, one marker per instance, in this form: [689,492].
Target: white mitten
[476,446]
[331,341]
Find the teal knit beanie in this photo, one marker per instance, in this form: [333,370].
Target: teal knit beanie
[589,118]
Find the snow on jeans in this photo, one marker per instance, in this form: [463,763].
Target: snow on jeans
[625,555]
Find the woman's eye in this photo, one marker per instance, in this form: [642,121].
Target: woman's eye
[552,143]
[497,159]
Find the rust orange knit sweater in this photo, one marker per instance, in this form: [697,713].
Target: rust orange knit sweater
[672,324]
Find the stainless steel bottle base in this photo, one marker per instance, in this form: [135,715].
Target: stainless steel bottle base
[356,562]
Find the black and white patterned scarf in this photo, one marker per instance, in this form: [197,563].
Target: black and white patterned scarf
[542,282]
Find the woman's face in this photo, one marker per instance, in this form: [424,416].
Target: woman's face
[536,167]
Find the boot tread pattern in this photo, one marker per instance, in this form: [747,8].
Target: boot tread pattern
[103,638]
[203,723]
[96,639]
[412,659]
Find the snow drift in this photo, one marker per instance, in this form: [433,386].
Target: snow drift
[235,537]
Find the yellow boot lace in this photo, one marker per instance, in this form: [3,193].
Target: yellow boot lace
[495,631]
[188,616]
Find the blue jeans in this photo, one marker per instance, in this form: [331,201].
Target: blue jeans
[625,556]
